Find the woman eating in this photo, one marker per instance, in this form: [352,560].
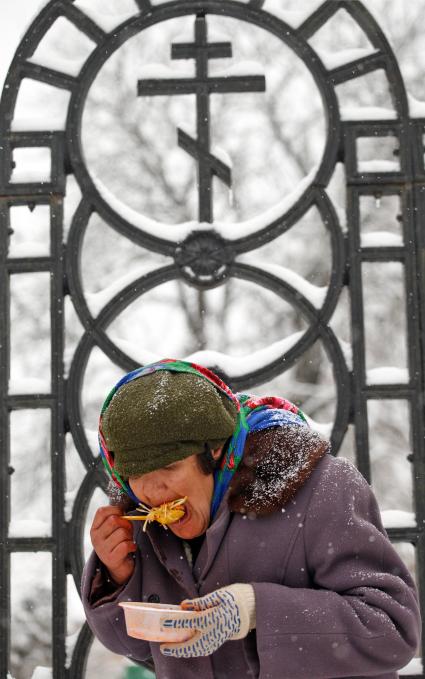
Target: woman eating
[275,543]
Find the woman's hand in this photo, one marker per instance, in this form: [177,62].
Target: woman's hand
[112,540]
[226,614]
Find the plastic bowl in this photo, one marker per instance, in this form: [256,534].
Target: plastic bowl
[143,621]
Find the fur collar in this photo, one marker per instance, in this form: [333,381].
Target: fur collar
[276,463]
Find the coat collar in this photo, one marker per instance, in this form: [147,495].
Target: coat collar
[213,539]
[275,464]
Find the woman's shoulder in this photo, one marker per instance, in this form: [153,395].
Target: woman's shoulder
[338,476]
[337,468]
[276,463]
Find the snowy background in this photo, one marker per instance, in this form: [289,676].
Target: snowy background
[274,143]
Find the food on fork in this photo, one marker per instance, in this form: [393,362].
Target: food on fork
[166,513]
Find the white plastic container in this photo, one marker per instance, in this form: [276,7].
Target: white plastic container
[143,621]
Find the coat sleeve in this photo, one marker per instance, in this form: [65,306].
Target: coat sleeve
[361,617]
[106,619]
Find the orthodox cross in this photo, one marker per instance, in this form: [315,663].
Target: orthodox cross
[202,85]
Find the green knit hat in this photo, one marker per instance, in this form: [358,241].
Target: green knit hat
[162,417]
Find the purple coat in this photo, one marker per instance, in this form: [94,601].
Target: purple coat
[333,598]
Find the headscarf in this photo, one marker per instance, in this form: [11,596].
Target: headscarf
[254,414]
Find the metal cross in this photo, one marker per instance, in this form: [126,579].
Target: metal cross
[202,85]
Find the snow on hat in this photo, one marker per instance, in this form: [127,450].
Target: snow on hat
[163,417]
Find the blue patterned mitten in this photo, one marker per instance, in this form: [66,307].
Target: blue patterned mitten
[224,615]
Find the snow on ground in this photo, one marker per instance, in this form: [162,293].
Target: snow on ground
[394,518]
[387,375]
[378,166]
[381,239]
[29,528]
[367,113]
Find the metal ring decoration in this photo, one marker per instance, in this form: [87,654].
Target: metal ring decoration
[179,8]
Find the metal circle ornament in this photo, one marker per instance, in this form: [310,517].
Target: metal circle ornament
[201,53]
[203,257]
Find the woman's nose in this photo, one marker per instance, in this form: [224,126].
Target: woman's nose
[156,492]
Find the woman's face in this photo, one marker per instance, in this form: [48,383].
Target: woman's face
[180,479]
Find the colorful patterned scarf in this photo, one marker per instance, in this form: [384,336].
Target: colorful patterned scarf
[254,414]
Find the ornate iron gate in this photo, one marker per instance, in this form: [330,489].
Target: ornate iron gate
[204,258]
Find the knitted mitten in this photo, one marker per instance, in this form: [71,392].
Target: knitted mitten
[224,615]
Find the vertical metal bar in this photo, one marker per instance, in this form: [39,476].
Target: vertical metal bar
[4,443]
[418,408]
[413,219]
[355,287]
[420,563]
[413,215]
[59,569]
[203,122]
